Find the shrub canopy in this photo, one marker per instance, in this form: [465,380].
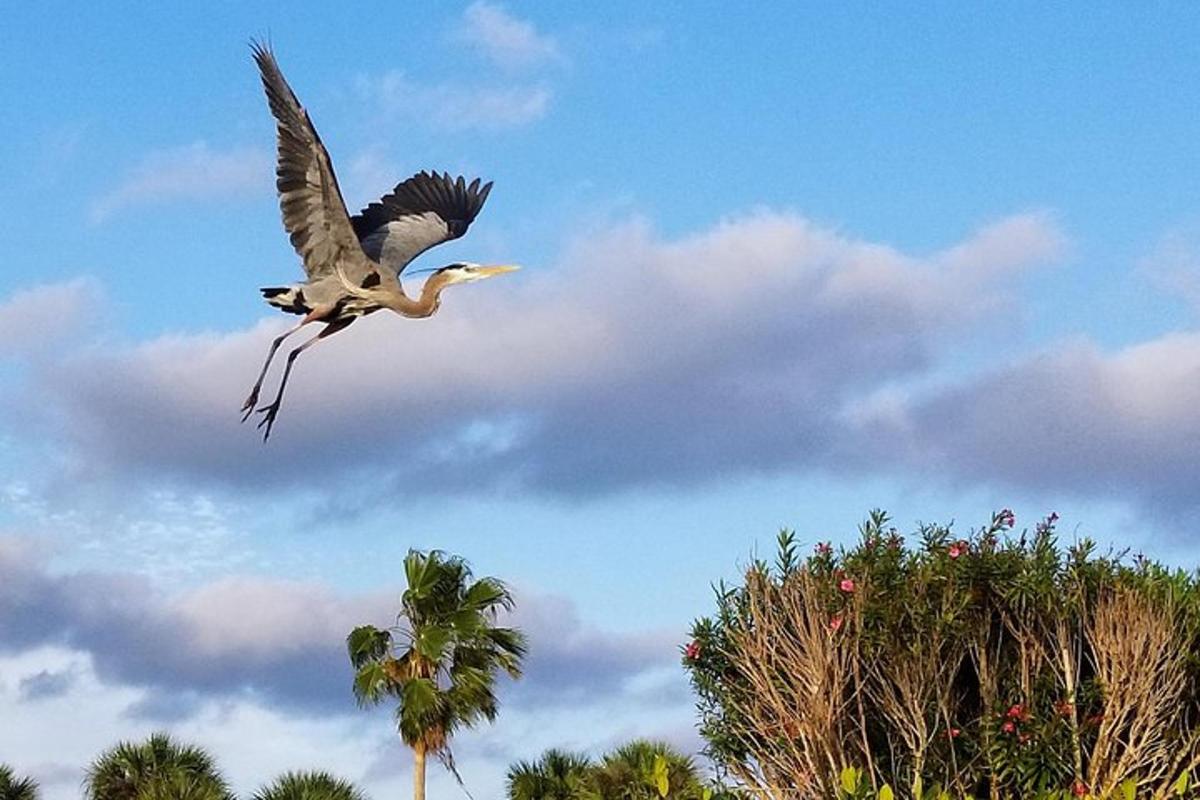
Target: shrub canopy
[994,664]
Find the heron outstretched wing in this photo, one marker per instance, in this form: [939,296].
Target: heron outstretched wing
[314,213]
[423,211]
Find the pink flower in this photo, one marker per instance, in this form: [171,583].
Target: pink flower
[835,623]
[847,585]
[1018,712]
[953,733]
[1008,727]
[692,650]
[1079,788]
[1006,518]
[823,548]
[957,549]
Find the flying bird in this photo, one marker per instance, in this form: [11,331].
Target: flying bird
[353,264]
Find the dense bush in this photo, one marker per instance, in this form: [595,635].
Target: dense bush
[637,770]
[992,665]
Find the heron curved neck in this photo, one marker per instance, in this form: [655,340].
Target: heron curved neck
[426,303]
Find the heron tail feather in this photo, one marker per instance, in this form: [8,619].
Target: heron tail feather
[287,298]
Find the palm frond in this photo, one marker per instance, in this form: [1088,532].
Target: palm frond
[309,786]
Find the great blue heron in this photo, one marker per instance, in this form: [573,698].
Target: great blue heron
[354,263]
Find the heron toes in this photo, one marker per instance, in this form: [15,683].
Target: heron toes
[269,413]
[248,406]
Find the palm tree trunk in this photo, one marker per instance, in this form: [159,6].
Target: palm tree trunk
[419,771]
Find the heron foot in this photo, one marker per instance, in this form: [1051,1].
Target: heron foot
[248,406]
[269,413]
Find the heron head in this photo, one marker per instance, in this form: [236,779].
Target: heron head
[466,272]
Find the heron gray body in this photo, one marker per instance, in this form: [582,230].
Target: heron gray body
[353,264]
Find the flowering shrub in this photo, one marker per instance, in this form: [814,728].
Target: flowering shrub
[995,665]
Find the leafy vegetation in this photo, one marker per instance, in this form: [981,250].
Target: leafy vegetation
[309,786]
[158,768]
[440,665]
[993,665]
[638,770]
[557,775]
[644,770]
[14,788]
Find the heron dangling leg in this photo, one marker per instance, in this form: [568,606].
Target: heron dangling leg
[271,411]
[312,316]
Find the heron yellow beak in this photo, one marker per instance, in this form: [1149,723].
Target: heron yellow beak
[498,269]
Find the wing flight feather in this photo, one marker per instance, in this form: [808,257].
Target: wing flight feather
[421,212]
[314,213]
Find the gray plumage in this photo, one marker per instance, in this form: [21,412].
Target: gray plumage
[353,264]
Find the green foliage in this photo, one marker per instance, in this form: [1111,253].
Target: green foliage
[990,640]
[158,768]
[646,770]
[439,665]
[557,775]
[14,788]
[309,786]
[638,770]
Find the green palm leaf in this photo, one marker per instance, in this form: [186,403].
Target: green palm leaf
[309,786]
[442,660]
[158,768]
[14,788]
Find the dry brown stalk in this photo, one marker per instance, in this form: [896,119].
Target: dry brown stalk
[912,690]
[797,669]
[1140,664]
[986,661]
[1065,644]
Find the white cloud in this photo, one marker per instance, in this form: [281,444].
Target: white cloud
[1072,419]
[272,639]
[456,107]
[34,319]
[255,671]
[504,39]
[193,172]
[251,742]
[638,362]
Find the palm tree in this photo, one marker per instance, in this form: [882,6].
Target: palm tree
[157,769]
[440,665]
[557,775]
[309,786]
[13,789]
[646,770]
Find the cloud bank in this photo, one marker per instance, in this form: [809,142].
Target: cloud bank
[271,641]
[764,345]
[637,361]
[1071,419]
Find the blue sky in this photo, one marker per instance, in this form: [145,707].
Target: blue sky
[781,266]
